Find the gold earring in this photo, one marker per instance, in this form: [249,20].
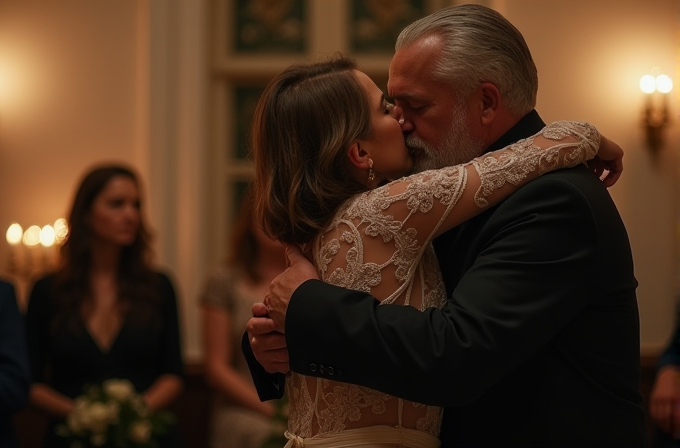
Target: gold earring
[371,176]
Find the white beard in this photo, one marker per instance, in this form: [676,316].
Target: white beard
[457,146]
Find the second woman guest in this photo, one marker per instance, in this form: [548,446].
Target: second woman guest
[106,312]
[239,418]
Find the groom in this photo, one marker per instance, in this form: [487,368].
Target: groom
[538,345]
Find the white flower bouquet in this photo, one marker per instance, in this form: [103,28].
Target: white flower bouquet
[113,415]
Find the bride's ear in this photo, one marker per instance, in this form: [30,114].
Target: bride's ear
[357,156]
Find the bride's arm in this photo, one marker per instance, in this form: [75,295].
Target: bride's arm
[458,193]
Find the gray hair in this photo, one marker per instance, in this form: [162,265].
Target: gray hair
[479,45]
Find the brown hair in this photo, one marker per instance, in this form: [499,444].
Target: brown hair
[137,282]
[305,121]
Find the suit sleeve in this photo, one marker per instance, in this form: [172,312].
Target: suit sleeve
[14,375]
[269,386]
[525,285]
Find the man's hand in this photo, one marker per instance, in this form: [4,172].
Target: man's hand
[284,285]
[664,399]
[269,346]
[267,326]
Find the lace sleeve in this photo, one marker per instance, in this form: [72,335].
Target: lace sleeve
[526,159]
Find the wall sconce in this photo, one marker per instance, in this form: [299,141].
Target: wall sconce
[657,88]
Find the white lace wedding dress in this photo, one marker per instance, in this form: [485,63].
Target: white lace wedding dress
[380,242]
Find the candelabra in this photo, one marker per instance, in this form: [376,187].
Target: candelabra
[33,251]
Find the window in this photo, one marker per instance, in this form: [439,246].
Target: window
[253,40]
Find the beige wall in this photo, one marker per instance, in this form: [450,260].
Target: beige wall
[67,98]
[83,81]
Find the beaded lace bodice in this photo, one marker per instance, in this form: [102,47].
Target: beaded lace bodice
[380,242]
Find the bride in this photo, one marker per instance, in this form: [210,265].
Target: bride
[330,158]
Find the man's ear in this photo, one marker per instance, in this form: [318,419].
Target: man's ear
[358,156]
[491,102]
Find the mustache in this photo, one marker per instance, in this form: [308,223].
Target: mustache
[418,145]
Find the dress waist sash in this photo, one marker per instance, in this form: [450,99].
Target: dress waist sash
[365,437]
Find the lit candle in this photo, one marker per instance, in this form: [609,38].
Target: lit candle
[648,84]
[47,239]
[31,239]
[13,236]
[60,230]
[31,236]
[664,85]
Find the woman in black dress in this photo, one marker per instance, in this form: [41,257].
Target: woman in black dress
[105,313]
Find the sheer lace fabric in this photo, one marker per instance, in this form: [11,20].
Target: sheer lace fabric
[380,242]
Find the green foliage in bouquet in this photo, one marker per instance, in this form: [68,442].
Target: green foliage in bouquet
[113,415]
[276,438]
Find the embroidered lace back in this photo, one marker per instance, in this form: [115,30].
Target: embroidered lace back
[380,242]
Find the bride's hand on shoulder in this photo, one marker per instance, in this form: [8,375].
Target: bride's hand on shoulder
[609,158]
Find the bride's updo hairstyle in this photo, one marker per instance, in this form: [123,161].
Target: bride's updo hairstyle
[305,122]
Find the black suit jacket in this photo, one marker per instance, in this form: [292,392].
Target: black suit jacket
[14,376]
[538,345]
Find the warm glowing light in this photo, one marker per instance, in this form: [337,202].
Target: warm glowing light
[14,234]
[664,83]
[32,236]
[3,85]
[47,235]
[60,230]
[21,80]
[648,84]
